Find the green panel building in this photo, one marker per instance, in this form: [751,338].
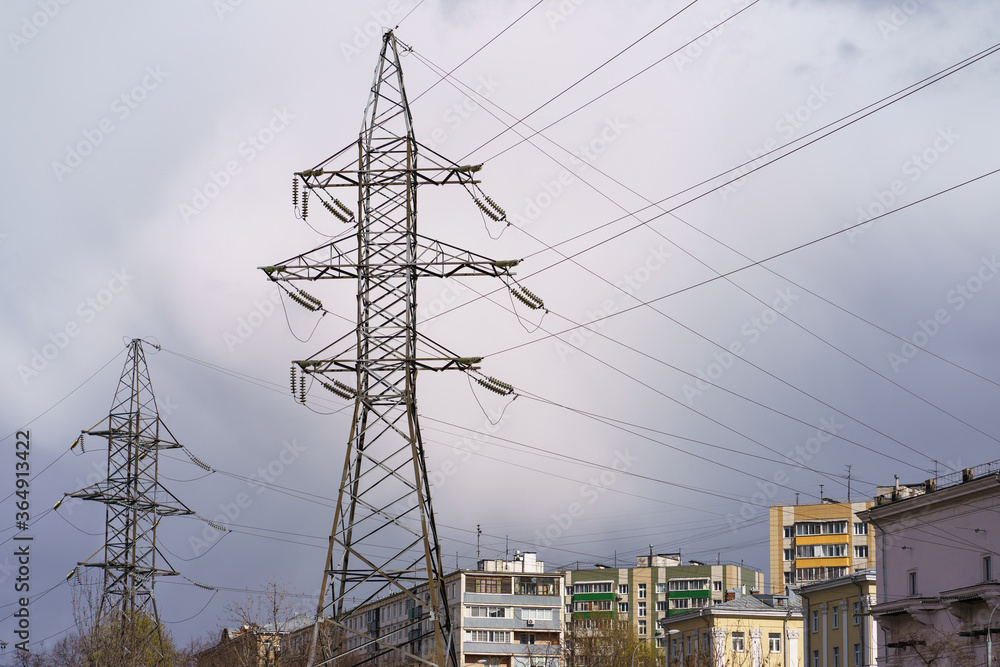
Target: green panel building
[658,586]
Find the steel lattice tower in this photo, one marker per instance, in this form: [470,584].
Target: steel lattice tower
[384,539]
[135,501]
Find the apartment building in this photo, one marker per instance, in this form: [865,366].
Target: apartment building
[657,587]
[810,543]
[504,614]
[937,583]
[839,628]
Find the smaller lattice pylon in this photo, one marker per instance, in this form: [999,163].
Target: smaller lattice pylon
[135,501]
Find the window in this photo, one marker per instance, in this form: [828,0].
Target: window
[790,577]
[688,650]
[540,586]
[662,587]
[815,659]
[592,605]
[821,528]
[623,607]
[600,587]
[622,589]
[987,568]
[642,591]
[836,617]
[912,582]
[487,612]
[774,642]
[688,584]
[857,613]
[642,610]
[861,528]
[717,585]
[739,642]
[569,590]
[528,613]
[642,628]
[836,656]
[527,638]
[680,603]
[661,605]
[820,551]
[857,655]
[789,554]
[815,621]
[487,585]
[789,532]
[861,551]
[491,636]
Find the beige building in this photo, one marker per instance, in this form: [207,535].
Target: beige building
[749,631]
[810,543]
[839,628]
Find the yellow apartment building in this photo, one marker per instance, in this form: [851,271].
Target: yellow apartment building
[810,543]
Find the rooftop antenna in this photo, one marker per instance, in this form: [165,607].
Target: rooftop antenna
[479,532]
[848,483]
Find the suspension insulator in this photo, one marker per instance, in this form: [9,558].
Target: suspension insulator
[337,214]
[340,389]
[295,190]
[347,211]
[302,389]
[302,301]
[305,204]
[293,380]
[496,386]
[527,298]
[493,204]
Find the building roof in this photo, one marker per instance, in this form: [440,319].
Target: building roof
[861,575]
[753,604]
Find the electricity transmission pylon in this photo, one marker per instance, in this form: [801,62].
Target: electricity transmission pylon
[384,538]
[135,501]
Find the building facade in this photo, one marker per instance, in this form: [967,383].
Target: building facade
[646,594]
[839,628]
[505,614]
[937,583]
[811,543]
[756,630]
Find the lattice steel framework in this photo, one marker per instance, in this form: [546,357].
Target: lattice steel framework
[384,539]
[135,501]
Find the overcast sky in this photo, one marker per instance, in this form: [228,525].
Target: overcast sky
[149,152]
